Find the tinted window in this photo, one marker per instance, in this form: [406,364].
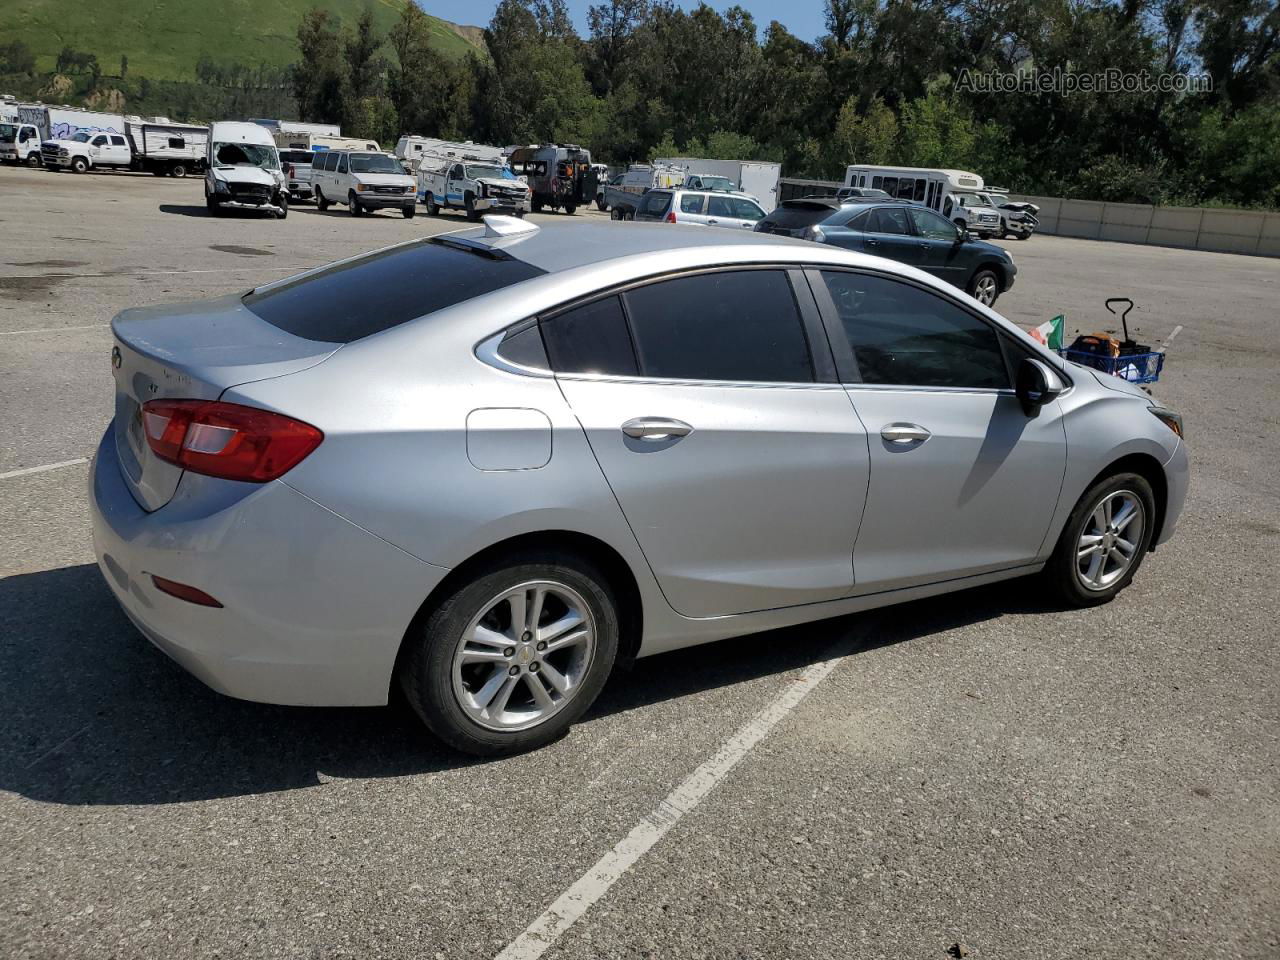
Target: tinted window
[904,335]
[525,348]
[746,210]
[177,143]
[365,296]
[592,338]
[929,224]
[691,203]
[859,220]
[654,204]
[721,207]
[889,220]
[739,325]
[793,214]
[295,156]
[117,141]
[99,141]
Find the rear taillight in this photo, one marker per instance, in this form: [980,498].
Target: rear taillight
[288,170]
[227,440]
[671,217]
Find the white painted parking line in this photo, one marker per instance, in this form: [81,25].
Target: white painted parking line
[27,471]
[83,326]
[595,883]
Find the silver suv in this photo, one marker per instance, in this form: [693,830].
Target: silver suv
[487,467]
[711,208]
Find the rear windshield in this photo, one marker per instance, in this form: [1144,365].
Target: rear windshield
[793,214]
[365,296]
[296,156]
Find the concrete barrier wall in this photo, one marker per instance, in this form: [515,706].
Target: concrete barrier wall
[1192,228]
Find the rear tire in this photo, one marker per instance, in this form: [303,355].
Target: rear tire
[615,214]
[1089,544]
[445,694]
[433,208]
[571,208]
[178,170]
[602,206]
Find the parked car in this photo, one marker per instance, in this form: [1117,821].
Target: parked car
[364,180]
[511,458]
[297,173]
[711,209]
[902,231]
[243,171]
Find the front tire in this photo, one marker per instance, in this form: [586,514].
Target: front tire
[601,205]
[571,208]
[212,205]
[34,160]
[984,286]
[1104,541]
[408,212]
[472,213]
[282,201]
[322,203]
[79,165]
[509,658]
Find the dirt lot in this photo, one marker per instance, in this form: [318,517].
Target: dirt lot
[981,769]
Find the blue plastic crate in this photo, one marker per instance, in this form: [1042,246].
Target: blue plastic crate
[1135,367]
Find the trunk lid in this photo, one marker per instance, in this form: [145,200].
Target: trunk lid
[193,351]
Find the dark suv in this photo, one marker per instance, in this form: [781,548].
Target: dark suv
[907,232]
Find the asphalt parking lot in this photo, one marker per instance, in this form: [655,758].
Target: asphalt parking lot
[982,769]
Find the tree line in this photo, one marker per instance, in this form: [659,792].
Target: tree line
[652,79]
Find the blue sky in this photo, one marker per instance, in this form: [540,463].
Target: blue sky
[804,18]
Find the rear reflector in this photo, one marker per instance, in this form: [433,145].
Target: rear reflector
[184,592]
[227,440]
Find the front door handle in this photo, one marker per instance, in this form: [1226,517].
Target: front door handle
[656,429]
[713,221]
[871,243]
[905,433]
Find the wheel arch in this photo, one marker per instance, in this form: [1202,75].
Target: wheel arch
[610,561]
[1151,470]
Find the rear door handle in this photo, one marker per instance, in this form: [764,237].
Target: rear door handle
[905,433]
[872,243]
[656,429]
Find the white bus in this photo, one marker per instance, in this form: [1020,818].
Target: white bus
[953,193]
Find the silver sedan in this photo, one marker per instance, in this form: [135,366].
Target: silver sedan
[490,466]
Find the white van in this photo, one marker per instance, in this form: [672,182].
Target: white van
[244,170]
[364,180]
[953,193]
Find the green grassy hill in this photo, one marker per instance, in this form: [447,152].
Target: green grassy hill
[163,39]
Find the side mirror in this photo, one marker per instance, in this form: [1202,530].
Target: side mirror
[1036,385]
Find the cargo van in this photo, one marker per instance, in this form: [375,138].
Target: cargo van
[244,171]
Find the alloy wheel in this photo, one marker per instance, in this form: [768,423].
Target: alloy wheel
[524,656]
[984,290]
[1109,540]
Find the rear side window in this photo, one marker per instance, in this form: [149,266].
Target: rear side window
[859,221]
[890,220]
[365,296]
[906,336]
[736,325]
[691,203]
[591,338]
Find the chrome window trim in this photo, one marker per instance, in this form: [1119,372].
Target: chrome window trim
[486,351]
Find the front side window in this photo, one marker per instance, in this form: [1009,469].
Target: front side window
[905,336]
[592,338]
[740,325]
[746,210]
[928,224]
[99,141]
[342,163]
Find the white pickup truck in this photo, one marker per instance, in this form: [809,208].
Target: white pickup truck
[19,143]
[476,186]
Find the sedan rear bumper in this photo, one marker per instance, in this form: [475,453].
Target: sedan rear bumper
[314,607]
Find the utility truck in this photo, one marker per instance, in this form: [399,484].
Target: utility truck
[473,178]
